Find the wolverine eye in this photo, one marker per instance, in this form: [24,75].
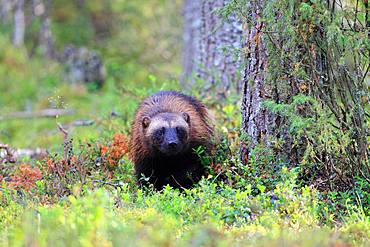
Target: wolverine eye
[181,132]
[159,133]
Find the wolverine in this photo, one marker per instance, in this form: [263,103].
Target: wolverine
[168,126]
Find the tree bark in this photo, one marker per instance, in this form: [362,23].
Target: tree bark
[257,121]
[208,52]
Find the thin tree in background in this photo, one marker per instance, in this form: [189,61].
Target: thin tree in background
[22,20]
[46,42]
[5,10]
[19,23]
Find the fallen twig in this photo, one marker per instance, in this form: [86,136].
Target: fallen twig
[32,153]
[37,114]
[10,155]
[82,123]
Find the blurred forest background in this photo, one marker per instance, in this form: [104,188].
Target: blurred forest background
[288,82]
[64,46]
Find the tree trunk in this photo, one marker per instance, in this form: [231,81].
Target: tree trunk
[46,42]
[314,91]
[304,90]
[46,39]
[5,10]
[208,53]
[191,39]
[19,23]
[257,122]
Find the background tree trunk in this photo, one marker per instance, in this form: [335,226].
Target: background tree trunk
[191,38]
[5,10]
[46,41]
[210,42]
[19,23]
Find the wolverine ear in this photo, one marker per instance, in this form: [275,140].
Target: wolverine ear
[145,122]
[186,117]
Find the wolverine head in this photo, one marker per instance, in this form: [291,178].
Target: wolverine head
[166,132]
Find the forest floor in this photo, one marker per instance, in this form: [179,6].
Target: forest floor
[84,193]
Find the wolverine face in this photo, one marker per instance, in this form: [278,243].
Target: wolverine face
[167,132]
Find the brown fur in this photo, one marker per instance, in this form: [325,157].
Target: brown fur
[200,133]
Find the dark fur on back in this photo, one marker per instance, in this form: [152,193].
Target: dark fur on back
[181,170]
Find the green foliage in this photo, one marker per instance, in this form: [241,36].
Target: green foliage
[317,94]
[91,198]
[322,139]
[232,216]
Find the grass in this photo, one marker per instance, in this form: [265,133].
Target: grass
[204,216]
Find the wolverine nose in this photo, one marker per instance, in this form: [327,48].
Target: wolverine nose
[172,145]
